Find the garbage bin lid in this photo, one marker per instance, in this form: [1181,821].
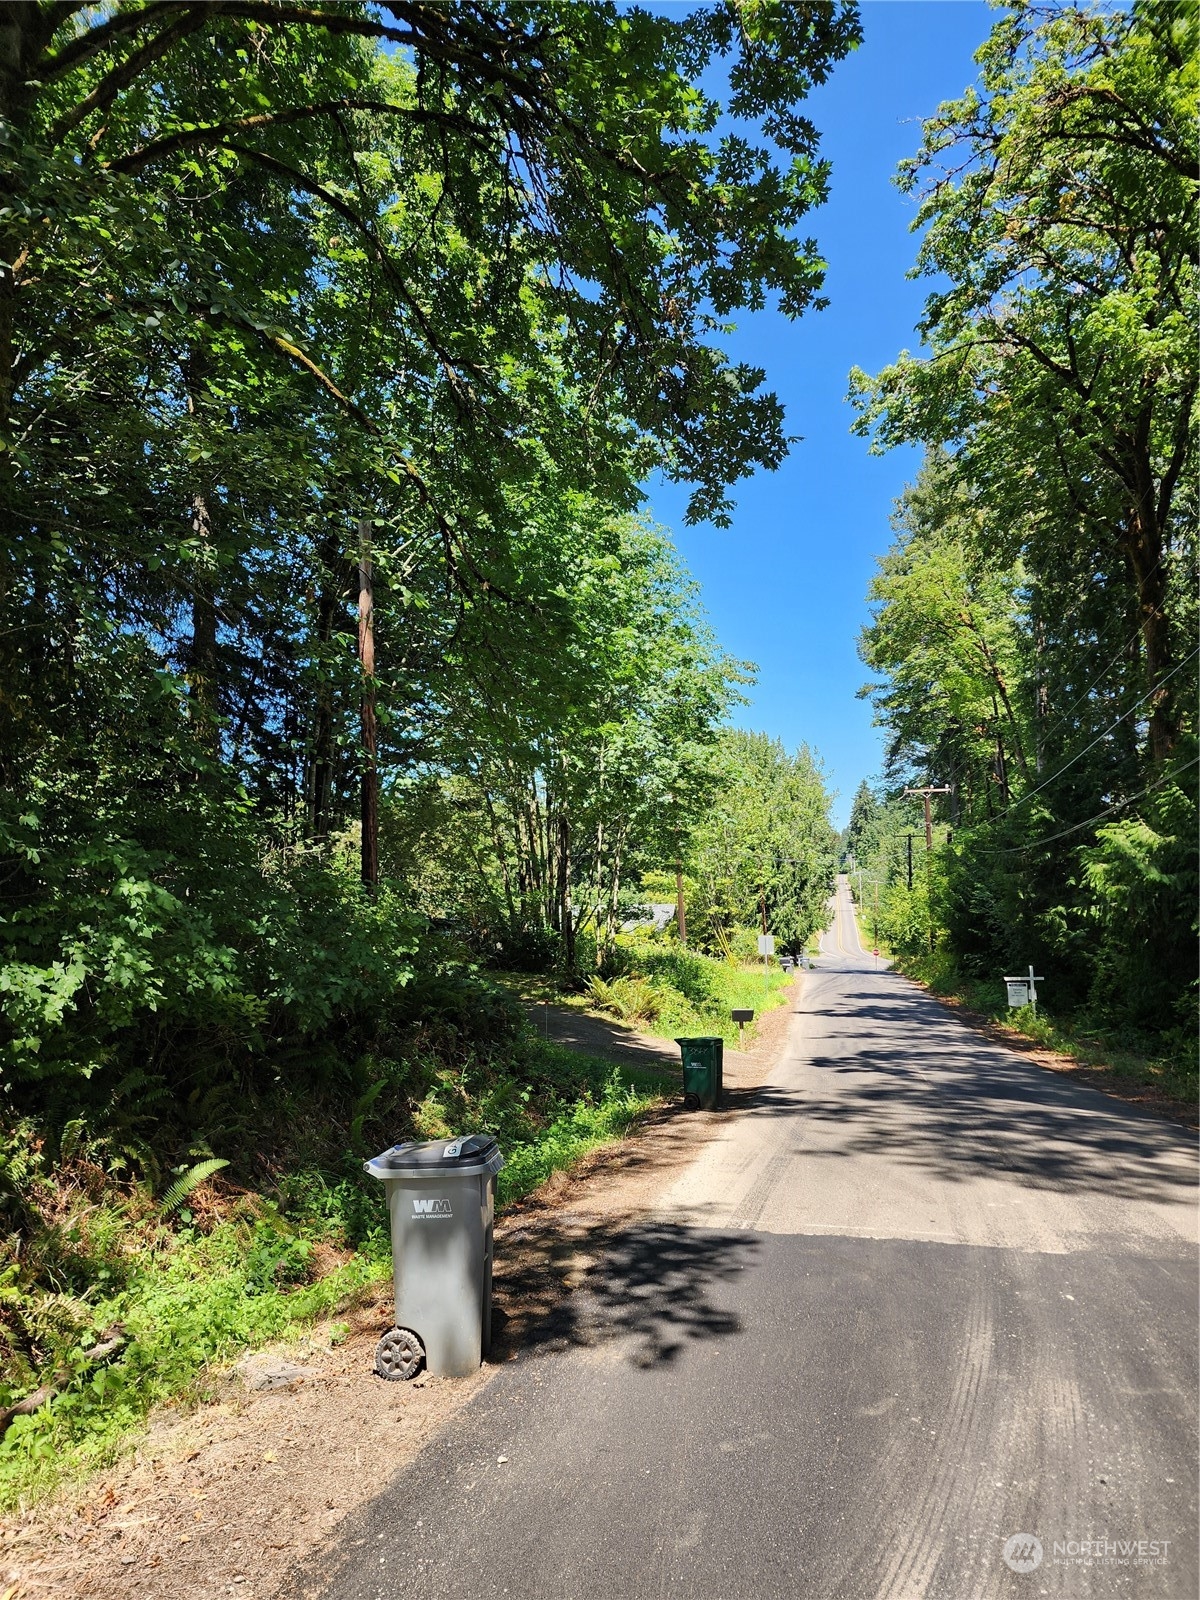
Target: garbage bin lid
[428,1158]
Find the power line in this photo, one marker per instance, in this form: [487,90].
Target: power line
[1066,623]
[1069,764]
[1117,805]
[1063,715]
[1101,636]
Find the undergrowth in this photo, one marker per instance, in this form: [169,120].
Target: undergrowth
[680,992]
[180,1281]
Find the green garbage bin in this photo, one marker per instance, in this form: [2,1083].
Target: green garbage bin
[702,1069]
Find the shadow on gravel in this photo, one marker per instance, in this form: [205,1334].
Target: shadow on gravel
[655,1284]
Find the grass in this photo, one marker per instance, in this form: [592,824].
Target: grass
[189,1303]
[668,990]
[231,1270]
[600,1119]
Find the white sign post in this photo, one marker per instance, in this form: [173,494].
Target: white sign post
[766,944]
[1023,991]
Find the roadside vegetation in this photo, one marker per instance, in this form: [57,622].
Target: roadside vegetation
[663,989]
[1032,647]
[675,993]
[127,1295]
[1136,1063]
[337,665]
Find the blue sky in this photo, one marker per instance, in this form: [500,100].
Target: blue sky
[786,585]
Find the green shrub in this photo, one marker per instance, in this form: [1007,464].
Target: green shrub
[223,1271]
[631,998]
[591,1122]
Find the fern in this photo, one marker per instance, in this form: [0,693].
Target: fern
[191,1179]
[74,1137]
[361,1107]
[630,997]
[599,993]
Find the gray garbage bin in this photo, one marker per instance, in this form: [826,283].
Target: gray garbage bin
[441,1200]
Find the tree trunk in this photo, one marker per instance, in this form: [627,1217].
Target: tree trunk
[501,857]
[330,596]
[1042,702]
[1001,763]
[201,661]
[202,648]
[610,928]
[26,28]
[999,688]
[366,657]
[565,912]
[1145,555]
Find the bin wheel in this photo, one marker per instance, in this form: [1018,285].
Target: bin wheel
[399,1355]
[691,1102]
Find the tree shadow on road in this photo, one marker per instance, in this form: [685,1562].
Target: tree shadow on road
[655,1285]
[909,1083]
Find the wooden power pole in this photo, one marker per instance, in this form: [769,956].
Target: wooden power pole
[925,794]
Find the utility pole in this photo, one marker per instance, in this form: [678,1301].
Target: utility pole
[910,863]
[366,657]
[925,793]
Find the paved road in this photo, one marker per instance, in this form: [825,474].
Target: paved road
[920,1297]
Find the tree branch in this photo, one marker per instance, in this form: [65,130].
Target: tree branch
[218,133]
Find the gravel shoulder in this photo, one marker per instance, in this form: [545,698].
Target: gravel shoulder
[228,1497]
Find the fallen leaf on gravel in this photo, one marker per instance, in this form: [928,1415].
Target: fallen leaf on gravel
[269,1455]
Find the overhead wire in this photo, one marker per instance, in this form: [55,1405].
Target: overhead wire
[1103,735]
[1117,805]
[1100,638]
[1063,715]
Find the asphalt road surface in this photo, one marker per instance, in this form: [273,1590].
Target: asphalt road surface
[920,1298]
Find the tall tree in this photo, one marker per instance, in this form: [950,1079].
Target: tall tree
[1037,616]
[763,852]
[1058,202]
[385,260]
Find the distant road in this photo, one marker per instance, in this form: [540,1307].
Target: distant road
[920,1298]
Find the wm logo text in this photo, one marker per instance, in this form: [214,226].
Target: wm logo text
[432,1208]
